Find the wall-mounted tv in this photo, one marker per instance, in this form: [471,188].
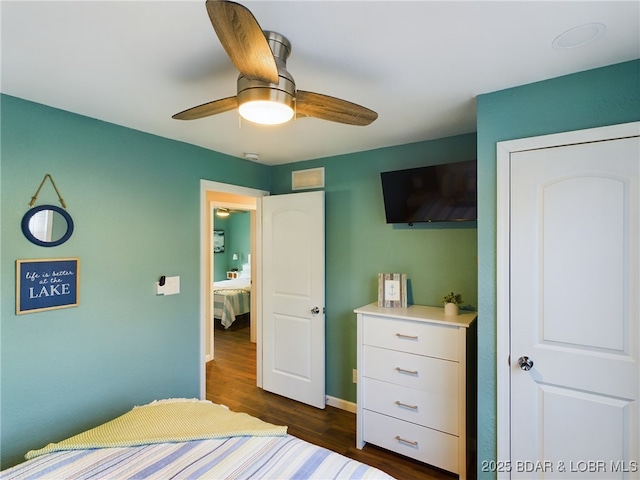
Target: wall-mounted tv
[435,193]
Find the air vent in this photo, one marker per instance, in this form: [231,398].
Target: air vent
[309,178]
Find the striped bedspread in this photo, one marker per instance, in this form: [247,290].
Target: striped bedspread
[230,303]
[284,457]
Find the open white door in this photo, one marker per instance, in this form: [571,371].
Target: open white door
[293,330]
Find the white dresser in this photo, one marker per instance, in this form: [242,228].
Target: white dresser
[412,383]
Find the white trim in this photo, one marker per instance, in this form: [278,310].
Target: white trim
[230,188]
[205,186]
[503,213]
[609,132]
[341,404]
[257,275]
[209,344]
[503,346]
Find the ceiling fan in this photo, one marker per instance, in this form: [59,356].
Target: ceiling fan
[266,91]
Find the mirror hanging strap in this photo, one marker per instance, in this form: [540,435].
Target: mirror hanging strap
[35,197]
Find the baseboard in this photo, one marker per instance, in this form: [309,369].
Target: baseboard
[341,404]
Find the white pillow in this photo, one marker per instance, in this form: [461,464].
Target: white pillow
[246,271]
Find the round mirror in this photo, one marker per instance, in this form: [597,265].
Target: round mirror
[47,225]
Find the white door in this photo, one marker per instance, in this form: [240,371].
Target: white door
[574,301]
[293,346]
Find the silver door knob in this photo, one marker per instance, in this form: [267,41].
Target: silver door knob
[525,363]
[315,310]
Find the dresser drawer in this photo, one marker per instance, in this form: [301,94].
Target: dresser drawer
[429,408]
[429,446]
[440,341]
[414,371]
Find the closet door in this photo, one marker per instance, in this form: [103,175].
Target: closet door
[574,300]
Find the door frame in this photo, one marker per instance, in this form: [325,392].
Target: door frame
[205,244]
[503,281]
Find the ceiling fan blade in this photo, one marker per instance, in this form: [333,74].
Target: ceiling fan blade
[309,104]
[208,109]
[243,40]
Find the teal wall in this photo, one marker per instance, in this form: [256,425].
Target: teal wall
[595,98]
[437,258]
[220,258]
[135,201]
[237,239]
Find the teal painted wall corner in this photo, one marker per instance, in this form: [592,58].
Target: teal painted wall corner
[239,238]
[360,244]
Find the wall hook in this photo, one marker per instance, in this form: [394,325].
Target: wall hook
[35,197]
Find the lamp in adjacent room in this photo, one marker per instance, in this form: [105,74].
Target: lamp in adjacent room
[235,257]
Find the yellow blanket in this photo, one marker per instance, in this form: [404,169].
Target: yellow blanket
[166,421]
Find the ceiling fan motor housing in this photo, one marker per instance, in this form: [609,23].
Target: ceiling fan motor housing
[284,92]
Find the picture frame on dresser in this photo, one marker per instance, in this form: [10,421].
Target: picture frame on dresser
[392,290]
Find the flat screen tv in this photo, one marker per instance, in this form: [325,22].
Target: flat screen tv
[435,193]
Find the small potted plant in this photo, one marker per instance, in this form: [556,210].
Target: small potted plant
[451,302]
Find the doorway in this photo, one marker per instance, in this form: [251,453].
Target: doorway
[214,195]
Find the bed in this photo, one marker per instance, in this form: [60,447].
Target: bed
[187,438]
[232,298]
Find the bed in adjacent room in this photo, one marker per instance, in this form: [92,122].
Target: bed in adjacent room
[187,438]
[232,298]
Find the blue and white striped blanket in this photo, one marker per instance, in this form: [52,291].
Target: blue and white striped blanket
[230,303]
[187,439]
[283,457]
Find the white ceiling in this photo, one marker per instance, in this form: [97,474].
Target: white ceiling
[419,64]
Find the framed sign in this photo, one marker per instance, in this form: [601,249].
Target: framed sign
[47,284]
[392,290]
[218,241]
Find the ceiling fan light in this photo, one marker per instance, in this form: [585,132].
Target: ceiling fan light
[266,112]
[266,104]
[222,212]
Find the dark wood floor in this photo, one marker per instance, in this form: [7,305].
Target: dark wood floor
[231,380]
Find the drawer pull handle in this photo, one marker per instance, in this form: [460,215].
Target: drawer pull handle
[408,442]
[412,407]
[408,372]
[407,337]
